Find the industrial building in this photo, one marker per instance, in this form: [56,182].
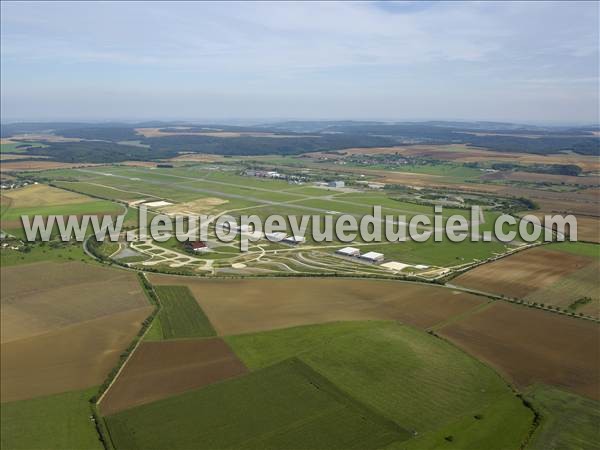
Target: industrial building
[233,226]
[275,237]
[336,184]
[294,240]
[372,257]
[348,251]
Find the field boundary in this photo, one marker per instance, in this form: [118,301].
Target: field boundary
[314,376]
[535,423]
[101,427]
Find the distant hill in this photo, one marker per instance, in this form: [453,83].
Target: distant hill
[111,141]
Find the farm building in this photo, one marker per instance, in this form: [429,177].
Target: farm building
[348,251]
[336,184]
[372,257]
[294,239]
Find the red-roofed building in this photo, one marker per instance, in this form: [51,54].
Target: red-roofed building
[196,245]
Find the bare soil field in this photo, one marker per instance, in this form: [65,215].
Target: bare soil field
[11,157]
[161,369]
[582,283]
[70,358]
[523,273]
[578,208]
[41,297]
[23,166]
[585,202]
[249,305]
[43,137]
[588,227]
[43,195]
[531,346]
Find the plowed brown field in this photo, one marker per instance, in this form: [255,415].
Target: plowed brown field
[523,273]
[161,369]
[243,306]
[41,297]
[71,358]
[64,325]
[532,346]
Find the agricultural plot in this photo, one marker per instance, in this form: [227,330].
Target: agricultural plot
[43,297]
[63,252]
[64,325]
[531,346]
[159,370]
[180,315]
[249,305]
[283,406]
[70,358]
[419,382]
[55,422]
[568,420]
[535,276]
[46,200]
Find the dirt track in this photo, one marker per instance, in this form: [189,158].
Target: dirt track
[161,369]
[532,346]
[243,306]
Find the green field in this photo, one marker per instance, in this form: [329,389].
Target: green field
[11,218]
[43,252]
[18,147]
[418,381]
[58,422]
[577,248]
[99,190]
[284,406]
[180,315]
[568,420]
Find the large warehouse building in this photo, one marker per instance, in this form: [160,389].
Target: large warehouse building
[348,251]
[372,257]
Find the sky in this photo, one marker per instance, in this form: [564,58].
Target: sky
[534,62]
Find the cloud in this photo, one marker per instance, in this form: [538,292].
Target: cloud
[303,49]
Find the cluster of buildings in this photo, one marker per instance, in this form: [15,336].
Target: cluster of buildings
[273,237]
[352,252]
[263,173]
[273,174]
[14,184]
